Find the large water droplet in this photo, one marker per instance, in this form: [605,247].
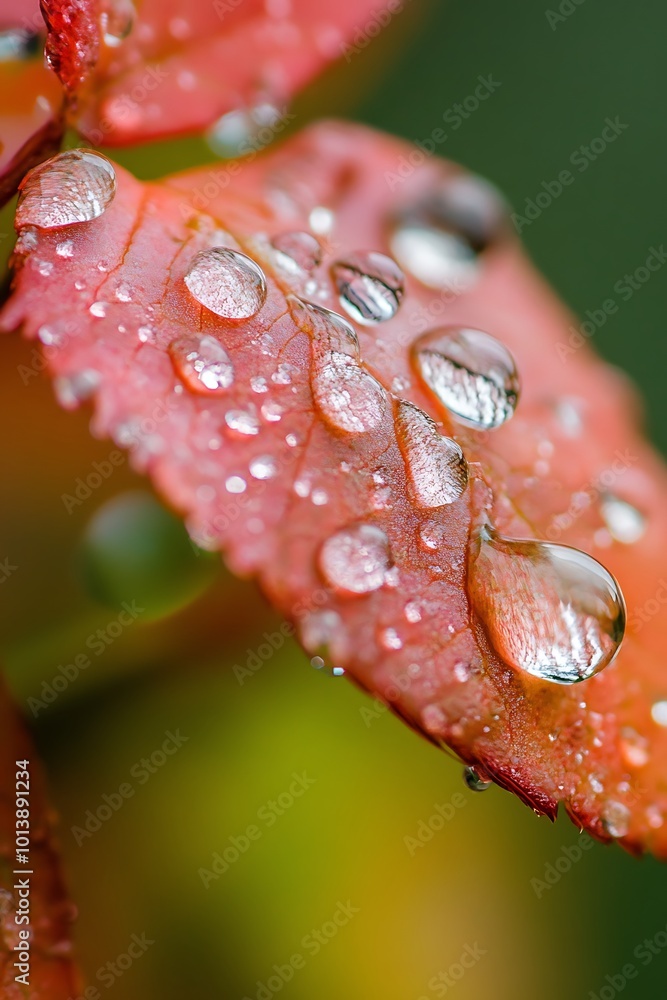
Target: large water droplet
[202,363]
[435,464]
[72,187]
[476,779]
[470,373]
[370,286]
[227,282]
[348,397]
[549,609]
[297,251]
[355,559]
[440,237]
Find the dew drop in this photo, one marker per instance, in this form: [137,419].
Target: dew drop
[321,220]
[470,373]
[435,464]
[263,467]
[348,397]
[615,819]
[624,522]
[65,248]
[71,187]
[659,713]
[549,609]
[298,251]
[242,423]
[242,132]
[439,238]
[116,21]
[98,309]
[476,779]
[227,282]
[319,664]
[390,639]
[71,390]
[202,363]
[354,560]
[328,330]
[235,484]
[370,286]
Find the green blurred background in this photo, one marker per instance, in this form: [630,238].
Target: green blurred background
[471,886]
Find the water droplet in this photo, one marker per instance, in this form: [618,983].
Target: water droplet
[259,384]
[319,664]
[71,390]
[355,559]
[440,237]
[348,397]
[242,423]
[390,639]
[71,187]
[615,819]
[65,248]
[202,363]
[227,282]
[263,467]
[435,464]
[116,21]
[549,609]
[659,713]
[321,220]
[328,330]
[235,484]
[471,373]
[319,497]
[654,817]
[272,412]
[624,522]
[298,251]
[98,309]
[412,612]
[634,747]
[370,286]
[476,779]
[245,131]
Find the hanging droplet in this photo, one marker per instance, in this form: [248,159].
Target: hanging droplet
[439,238]
[72,187]
[202,363]
[298,251]
[470,373]
[370,286]
[355,560]
[116,21]
[435,464]
[476,779]
[227,282]
[549,609]
[624,522]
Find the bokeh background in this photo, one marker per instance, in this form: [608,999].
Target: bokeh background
[478,885]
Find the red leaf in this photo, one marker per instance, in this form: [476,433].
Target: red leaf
[51,974]
[285,450]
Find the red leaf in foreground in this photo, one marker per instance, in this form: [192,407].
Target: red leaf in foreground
[52,974]
[297,457]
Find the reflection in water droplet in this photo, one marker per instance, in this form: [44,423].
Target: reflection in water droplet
[354,560]
[435,464]
[202,363]
[476,779]
[440,237]
[72,187]
[470,373]
[615,819]
[624,522]
[370,286]
[549,609]
[116,21]
[227,282]
[298,251]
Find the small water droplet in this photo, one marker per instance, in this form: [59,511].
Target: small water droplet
[272,412]
[259,384]
[634,747]
[263,467]
[390,639]
[321,220]
[348,397]
[116,21]
[71,390]
[98,309]
[319,497]
[242,423]
[615,819]
[244,131]
[654,817]
[470,373]
[227,282]
[71,187]
[476,779]
[370,286]
[65,248]
[123,292]
[439,238]
[624,522]
[202,363]
[549,609]
[355,560]
[412,612]
[235,484]
[146,334]
[328,330]
[659,713]
[319,664]
[298,251]
[461,672]
[435,464]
